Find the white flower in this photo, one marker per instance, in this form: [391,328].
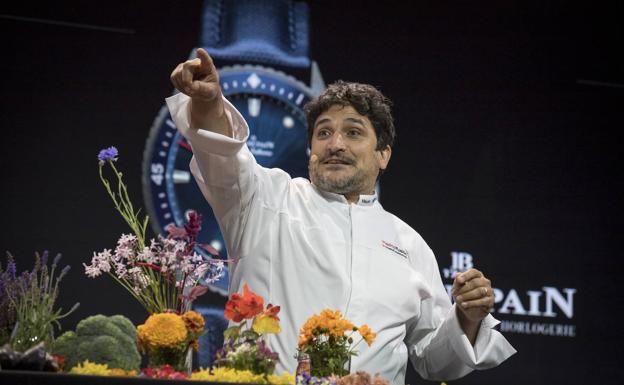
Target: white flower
[91,271]
[146,255]
[127,240]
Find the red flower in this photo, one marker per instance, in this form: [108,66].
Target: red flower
[271,311]
[165,371]
[243,307]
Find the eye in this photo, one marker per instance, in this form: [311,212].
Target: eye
[354,132]
[322,133]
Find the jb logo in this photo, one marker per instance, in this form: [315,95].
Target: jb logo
[461,261]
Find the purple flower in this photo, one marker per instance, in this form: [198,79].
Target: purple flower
[56,259]
[193,227]
[176,232]
[11,269]
[266,352]
[44,257]
[110,153]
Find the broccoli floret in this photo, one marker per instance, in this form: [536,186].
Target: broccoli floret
[103,340]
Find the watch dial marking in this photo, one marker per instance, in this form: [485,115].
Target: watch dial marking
[253,106]
[217,245]
[254,80]
[288,121]
[181,176]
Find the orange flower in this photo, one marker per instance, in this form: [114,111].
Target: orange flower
[329,314]
[303,341]
[367,334]
[243,307]
[162,330]
[194,321]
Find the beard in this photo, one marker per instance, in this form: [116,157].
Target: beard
[344,184]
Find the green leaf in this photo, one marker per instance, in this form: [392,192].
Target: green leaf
[232,332]
[250,335]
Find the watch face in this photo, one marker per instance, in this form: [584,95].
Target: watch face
[271,103]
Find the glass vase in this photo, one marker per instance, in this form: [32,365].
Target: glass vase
[324,366]
[180,359]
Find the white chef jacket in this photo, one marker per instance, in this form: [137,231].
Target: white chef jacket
[306,250]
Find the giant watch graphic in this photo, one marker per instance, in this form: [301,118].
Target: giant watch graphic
[243,37]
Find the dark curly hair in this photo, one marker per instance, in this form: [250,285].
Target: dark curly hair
[365,99]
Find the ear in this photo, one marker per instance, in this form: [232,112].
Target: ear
[383,157]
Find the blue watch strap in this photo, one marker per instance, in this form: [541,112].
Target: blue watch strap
[273,32]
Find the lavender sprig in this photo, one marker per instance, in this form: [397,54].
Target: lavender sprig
[29,300]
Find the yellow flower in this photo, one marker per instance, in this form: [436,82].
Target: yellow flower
[162,330]
[367,334]
[194,321]
[223,374]
[122,373]
[266,324]
[91,368]
[284,379]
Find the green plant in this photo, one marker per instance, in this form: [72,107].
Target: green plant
[29,300]
[103,340]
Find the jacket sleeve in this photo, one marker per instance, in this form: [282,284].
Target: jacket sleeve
[226,171]
[438,347]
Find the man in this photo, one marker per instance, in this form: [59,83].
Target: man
[328,243]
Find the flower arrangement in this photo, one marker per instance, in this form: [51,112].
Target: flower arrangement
[245,346]
[166,338]
[27,313]
[327,339]
[166,274]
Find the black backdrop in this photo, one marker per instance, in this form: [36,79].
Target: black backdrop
[509,116]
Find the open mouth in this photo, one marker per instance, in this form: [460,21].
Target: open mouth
[337,161]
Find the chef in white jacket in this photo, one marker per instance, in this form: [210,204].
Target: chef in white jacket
[307,245]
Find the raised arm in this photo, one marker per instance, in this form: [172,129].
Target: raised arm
[198,78]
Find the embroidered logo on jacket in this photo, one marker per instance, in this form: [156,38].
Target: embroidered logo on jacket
[395,248]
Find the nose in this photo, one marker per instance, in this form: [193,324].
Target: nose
[336,143]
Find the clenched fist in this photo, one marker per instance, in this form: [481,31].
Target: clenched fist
[474,298]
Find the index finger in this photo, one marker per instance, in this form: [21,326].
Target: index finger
[206,64]
[469,275]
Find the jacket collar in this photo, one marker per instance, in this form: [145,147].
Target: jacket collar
[364,200]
